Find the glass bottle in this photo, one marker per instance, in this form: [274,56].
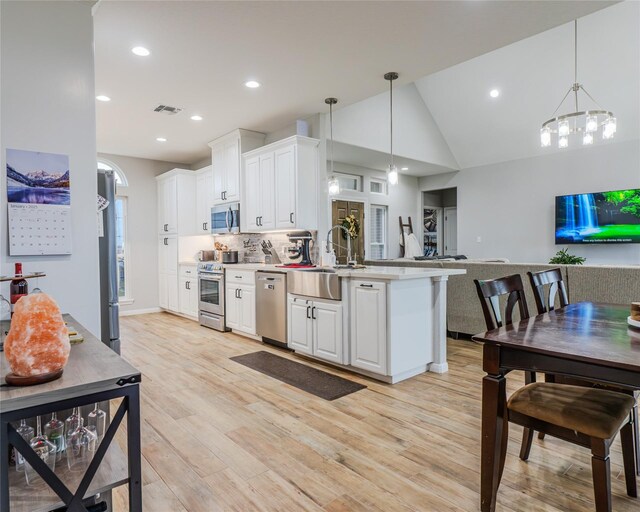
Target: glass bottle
[73,421]
[98,419]
[81,446]
[44,449]
[54,430]
[27,433]
[18,287]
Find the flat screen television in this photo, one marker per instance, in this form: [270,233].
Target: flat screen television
[602,218]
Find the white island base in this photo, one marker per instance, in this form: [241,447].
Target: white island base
[390,324]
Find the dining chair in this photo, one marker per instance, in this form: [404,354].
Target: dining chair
[489,292]
[546,285]
[588,417]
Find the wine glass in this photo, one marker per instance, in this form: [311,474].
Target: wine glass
[27,433]
[81,446]
[54,430]
[44,449]
[73,421]
[98,419]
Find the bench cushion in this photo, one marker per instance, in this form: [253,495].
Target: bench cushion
[594,412]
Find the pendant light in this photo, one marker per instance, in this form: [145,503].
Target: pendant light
[585,122]
[392,172]
[334,183]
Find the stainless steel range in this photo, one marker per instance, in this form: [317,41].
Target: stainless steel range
[211,295]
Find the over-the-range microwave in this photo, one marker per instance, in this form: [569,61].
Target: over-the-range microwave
[225,219]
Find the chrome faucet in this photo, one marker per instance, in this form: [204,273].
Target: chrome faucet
[346,231]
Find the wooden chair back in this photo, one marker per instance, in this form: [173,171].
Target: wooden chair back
[552,279]
[489,293]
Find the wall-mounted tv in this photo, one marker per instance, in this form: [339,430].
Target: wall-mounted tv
[603,217]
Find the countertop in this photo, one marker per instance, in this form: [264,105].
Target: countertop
[374,272]
[92,367]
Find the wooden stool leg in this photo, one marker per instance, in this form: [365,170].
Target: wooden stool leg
[628,449]
[601,468]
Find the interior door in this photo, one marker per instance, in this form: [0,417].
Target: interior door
[451,231]
[339,210]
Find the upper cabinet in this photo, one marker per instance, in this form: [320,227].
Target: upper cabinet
[280,184]
[226,162]
[204,199]
[176,207]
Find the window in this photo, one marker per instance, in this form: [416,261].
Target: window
[351,182]
[121,246]
[378,186]
[121,180]
[123,255]
[378,232]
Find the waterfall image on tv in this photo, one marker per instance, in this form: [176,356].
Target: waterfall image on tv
[603,217]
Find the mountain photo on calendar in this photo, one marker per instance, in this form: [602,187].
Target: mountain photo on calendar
[37,178]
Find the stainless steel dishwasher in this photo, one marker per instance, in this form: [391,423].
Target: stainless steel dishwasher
[271,307]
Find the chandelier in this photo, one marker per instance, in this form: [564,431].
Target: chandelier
[585,123]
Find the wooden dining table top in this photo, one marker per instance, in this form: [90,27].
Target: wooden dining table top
[584,331]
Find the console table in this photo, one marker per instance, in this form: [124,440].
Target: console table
[94,373]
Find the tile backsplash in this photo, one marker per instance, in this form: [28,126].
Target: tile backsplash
[249,246]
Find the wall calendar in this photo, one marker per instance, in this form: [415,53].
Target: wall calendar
[39,202]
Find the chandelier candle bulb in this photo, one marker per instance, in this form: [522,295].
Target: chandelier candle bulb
[587,139]
[563,142]
[545,137]
[592,124]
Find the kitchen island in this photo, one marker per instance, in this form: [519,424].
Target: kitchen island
[94,373]
[388,323]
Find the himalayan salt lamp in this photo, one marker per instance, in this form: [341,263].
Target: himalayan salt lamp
[38,341]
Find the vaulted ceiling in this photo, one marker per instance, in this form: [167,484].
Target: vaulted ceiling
[302,52]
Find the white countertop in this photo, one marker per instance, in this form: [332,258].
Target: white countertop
[373,272]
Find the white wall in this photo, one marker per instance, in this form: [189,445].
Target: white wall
[511,205]
[402,199]
[48,104]
[141,223]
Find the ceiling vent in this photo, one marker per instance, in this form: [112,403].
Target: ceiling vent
[166,109]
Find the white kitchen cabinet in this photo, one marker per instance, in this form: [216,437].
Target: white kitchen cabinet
[226,163]
[240,301]
[368,319]
[280,186]
[300,336]
[168,272]
[204,200]
[176,192]
[188,296]
[315,328]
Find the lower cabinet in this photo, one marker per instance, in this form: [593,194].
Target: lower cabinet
[368,315]
[188,296]
[315,328]
[168,292]
[240,307]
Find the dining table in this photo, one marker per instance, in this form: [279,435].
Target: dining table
[590,341]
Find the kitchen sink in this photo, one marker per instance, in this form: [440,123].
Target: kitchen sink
[322,283]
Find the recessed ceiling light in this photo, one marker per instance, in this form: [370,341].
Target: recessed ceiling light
[196,118]
[494,93]
[102,97]
[161,139]
[404,168]
[252,84]
[140,51]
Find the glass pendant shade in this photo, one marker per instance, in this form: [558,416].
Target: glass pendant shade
[545,137]
[563,142]
[609,128]
[563,128]
[591,124]
[392,175]
[334,186]
[587,139]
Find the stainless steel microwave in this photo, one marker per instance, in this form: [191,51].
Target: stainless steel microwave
[225,219]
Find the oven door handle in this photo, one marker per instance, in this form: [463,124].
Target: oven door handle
[211,278]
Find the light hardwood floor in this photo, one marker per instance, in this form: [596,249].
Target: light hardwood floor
[218,436]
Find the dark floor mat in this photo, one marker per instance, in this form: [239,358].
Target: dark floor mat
[306,378]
